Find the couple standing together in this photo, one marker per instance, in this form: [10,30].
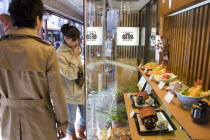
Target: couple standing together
[39,86]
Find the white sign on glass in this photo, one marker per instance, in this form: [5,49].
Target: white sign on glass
[94,36]
[128,36]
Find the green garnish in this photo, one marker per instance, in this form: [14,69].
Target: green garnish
[170,77]
[185,91]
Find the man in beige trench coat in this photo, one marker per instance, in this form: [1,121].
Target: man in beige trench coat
[30,79]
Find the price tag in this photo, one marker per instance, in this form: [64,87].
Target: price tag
[141,83]
[98,133]
[108,133]
[132,113]
[145,70]
[148,88]
[140,65]
[129,95]
[151,76]
[161,85]
[168,98]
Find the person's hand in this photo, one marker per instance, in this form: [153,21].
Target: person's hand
[77,51]
[61,134]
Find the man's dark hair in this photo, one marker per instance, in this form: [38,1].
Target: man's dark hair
[23,13]
[70,31]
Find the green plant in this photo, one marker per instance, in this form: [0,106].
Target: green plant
[118,114]
[132,89]
[117,92]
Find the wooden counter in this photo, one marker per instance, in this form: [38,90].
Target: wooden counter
[176,135]
[196,131]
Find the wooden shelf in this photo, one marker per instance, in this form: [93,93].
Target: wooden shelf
[196,131]
[178,134]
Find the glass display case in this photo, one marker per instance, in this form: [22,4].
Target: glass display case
[112,46]
[119,37]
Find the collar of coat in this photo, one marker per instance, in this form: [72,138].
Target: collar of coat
[64,48]
[23,31]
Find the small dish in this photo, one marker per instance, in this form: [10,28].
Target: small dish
[171,77]
[175,85]
[120,133]
[149,101]
[162,124]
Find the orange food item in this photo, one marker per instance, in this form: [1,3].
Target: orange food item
[124,137]
[146,112]
[144,94]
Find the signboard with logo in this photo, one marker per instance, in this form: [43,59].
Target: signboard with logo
[94,36]
[128,36]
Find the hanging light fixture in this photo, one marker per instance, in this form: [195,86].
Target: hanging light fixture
[163,1]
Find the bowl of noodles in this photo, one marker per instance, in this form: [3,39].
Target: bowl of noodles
[187,97]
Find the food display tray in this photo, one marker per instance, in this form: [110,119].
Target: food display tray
[156,104]
[161,116]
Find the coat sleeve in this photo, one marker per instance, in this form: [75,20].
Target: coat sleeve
[68,70]
[56,91]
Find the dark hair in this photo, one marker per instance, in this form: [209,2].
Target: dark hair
[70,31]
[23,13]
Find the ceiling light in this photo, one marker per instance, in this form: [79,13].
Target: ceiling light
[170,2]
[191,7]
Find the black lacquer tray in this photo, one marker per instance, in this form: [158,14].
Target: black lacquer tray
[156,104]
[161,116]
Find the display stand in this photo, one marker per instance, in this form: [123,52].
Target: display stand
[195,131]
[134,133]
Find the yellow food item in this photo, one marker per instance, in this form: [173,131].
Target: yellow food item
[150,65]
[197,92]
[194,91]
[203,93]
[159,70]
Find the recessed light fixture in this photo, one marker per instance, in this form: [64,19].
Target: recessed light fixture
[170,2]
[191,7]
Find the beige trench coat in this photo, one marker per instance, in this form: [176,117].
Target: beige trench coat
[29,81]
[68,65]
